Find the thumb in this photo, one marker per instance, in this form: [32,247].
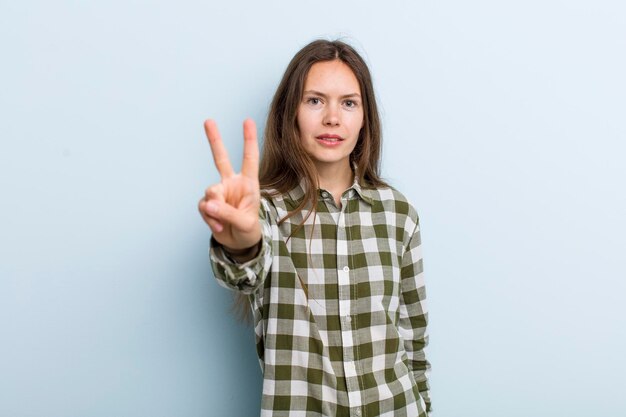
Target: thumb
[225,212]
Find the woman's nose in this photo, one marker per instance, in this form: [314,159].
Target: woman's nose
[331,118]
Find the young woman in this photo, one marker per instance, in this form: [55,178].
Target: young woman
[326,254]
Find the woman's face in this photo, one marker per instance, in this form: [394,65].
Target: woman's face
[330,115]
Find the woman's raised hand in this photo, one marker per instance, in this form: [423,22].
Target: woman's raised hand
[231,208]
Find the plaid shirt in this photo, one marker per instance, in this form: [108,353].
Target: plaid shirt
[339,308]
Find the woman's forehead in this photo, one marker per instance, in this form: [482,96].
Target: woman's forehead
[332,77]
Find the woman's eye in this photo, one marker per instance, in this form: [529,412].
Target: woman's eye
[350,103]
[313,100]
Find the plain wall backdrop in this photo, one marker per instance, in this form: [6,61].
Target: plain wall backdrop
[503,124]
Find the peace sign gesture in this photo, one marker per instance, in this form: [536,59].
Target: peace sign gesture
[231,208]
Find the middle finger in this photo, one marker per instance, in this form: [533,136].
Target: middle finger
[220,156]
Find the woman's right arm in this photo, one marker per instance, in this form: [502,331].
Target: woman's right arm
[231,209]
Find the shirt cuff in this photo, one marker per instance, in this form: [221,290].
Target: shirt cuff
[247,276]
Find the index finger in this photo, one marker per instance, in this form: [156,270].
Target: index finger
[220,156]
[250,165]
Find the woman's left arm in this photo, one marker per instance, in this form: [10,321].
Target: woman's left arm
[414,314]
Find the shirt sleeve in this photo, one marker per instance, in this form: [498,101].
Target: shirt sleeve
[246,277]
[414,315]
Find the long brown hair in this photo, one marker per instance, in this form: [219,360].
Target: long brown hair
[284,162]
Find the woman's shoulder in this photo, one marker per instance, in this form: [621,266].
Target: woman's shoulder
[275,203]
[273,197]
[393,200]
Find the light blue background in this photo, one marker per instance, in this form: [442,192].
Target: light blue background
[504,124]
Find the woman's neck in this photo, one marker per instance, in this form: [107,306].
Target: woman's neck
[335,179]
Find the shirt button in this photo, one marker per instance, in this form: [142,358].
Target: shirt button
[357,412]
[348,319]
[346,269]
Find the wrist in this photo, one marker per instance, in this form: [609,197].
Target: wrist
[242,255]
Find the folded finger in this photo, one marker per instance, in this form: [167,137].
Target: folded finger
[214,192]
[215,225]
[228,214]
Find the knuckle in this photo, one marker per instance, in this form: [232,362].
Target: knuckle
[210,191]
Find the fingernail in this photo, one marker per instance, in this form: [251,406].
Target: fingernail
[211,207]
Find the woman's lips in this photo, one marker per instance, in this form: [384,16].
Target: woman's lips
[329,140]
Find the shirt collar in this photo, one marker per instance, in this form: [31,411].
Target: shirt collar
[365,194]
[297,192]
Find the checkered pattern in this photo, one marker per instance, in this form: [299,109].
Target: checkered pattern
[339,308]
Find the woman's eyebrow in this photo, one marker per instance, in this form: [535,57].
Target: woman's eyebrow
[318,93]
